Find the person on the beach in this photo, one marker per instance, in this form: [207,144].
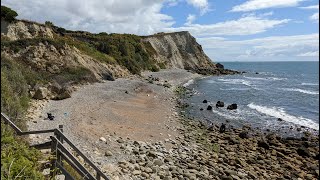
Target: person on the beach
[222,128]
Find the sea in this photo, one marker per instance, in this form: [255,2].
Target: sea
[266,92]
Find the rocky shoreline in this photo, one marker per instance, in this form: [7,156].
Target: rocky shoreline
[205,153]
[185,148]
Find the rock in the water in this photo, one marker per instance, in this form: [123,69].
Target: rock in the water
[209,107]
[220,104]
[201,109]
[220,66]
[41,93]
[204,101]
[232,106]
[279,119]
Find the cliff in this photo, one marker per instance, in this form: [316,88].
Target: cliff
[180,50]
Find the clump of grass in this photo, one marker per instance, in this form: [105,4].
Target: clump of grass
[180,91]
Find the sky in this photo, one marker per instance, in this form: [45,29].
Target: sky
[229,30]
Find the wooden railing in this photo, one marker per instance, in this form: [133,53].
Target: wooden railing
[61,153]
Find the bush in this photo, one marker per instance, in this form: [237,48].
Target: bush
[49,24]
[18,161]
[8,14]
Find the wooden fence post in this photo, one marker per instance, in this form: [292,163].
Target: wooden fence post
[53,159]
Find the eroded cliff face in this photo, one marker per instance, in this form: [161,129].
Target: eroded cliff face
[24,29]
[181,50]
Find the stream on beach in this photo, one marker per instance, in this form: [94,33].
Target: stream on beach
[281,97]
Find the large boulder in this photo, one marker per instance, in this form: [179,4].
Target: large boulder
[262,143]
[41,93]
[220,104]
[63,94]
[232,107]
[209,107]
[304,152]
[220,66]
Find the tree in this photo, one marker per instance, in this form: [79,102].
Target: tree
[8,14]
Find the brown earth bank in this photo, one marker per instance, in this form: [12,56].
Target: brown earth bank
[134,128]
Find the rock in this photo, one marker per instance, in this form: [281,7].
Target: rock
[103,139]
[145,175]
[120,140]
[204,101]
[136,172]
[263,143]
[201,109]
[41,93]
[220,104]
[232,107]
[279,119]
[304,152]
[298,129]
[220,66]
[108,153]
[157,162]
[244,135]
[257,73]
[209,107]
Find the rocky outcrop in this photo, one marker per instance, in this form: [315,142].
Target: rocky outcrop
[181,50]
[24,29]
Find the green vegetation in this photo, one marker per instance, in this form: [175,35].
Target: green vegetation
[127,49]
[8,14]
[180,91]
[17,159]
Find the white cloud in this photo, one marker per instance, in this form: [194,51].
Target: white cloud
[135,16]
[311,7]
[268,48]
[203,5]
[190,19]
[310,54]
[246,25]
[315,17]
[253,5]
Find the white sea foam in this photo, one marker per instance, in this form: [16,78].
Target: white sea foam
[276,78]
[255,78]
[235,89]
[235,81]
[301,90]
[228,116]
[191,81]
[280,113]
[309,84]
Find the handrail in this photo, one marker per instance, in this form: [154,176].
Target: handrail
[63,137]
[18,130]
[58,140]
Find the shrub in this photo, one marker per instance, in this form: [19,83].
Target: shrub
[49,24]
